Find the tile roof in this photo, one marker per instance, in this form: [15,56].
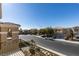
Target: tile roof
[9,23]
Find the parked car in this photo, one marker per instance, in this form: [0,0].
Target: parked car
[76,36]
[47,37]
[43,36]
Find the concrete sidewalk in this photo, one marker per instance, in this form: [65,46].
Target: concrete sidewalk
[63,40]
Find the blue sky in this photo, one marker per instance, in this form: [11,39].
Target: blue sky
[41,15]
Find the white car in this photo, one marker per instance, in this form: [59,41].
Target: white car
[49,38]
[76,36]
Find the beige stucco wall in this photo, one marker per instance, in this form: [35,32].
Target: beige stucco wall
[7,45]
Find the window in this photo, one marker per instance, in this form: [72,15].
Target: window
[9,34]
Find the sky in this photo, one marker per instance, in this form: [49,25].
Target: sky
[40,15]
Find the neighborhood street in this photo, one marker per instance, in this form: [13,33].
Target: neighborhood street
[69,49]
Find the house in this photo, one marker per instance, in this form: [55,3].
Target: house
[9,39]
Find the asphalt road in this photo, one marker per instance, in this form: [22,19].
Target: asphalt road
[68,49]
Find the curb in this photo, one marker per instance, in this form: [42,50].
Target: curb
[67,41]
[53,51]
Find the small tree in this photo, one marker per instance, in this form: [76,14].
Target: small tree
[50,31]
[33,31]
[69,34]
[47,31]
[32,47]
